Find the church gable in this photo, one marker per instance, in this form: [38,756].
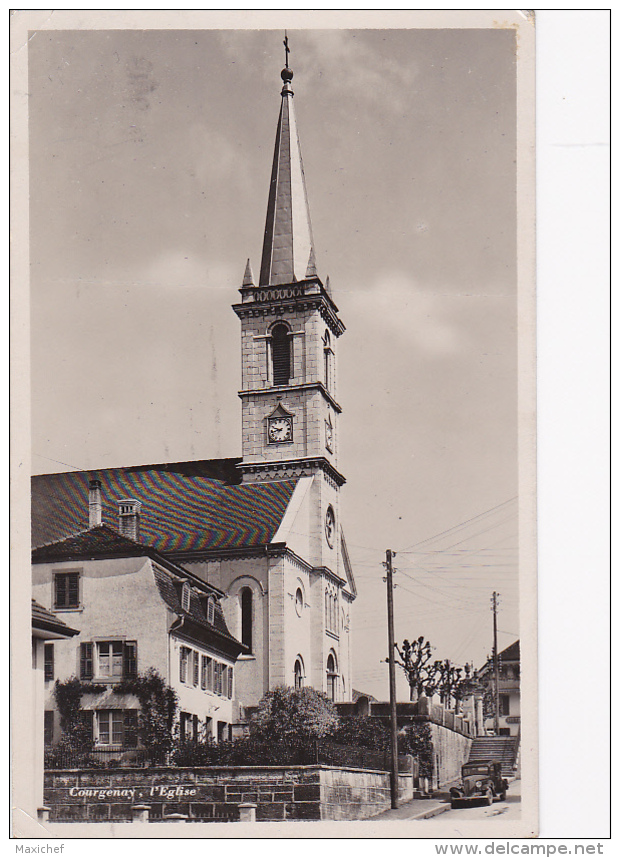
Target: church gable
[346,565]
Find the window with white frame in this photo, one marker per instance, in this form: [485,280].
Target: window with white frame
[109,724]
[184,654]
[230,683]
[108,660]
[202,671]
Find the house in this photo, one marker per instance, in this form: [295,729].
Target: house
[262,533]
[136,610]
[509,689]
[48,632]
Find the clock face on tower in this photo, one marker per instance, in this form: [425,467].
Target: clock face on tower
[280,429]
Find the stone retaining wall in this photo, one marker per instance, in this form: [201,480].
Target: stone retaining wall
[297,792]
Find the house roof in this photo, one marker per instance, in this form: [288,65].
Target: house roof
[101,542]
[48,623]
[97,542]
[511,653]
[186,507]
[170,592]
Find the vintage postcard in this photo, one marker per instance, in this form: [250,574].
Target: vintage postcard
[276,462]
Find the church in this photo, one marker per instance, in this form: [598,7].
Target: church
[261,533]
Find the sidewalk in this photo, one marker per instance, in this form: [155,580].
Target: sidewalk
[418,808]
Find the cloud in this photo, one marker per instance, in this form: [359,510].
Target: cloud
[350,65]
[174,269]
[418,317]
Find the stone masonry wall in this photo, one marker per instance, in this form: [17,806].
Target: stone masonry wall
[450,750]
[295,793]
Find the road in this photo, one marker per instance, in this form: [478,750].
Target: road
[504,810]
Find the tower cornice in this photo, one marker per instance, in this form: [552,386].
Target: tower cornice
[291,388]
[297,296]
[302,467]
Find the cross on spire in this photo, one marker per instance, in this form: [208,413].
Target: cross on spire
[287,50]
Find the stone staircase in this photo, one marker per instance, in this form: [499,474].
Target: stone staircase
[502,749]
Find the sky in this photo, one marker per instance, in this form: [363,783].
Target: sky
[150,156]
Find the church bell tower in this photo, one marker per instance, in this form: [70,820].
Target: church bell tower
[290,330]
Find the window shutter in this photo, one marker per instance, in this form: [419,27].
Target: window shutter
[86,722]
[281,355]
[86,661]
[59,584]
[130,660]
[195,667]
[74,590]
[48,662]
[130,729]
[230,683]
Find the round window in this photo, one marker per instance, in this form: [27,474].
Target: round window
[299,602]
[330,526]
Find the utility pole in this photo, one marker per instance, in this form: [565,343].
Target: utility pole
[392,666]
[495,663]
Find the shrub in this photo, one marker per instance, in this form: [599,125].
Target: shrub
[362,731]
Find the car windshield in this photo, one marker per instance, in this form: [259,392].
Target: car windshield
[476,770]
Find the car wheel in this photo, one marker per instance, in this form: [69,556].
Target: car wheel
[502,796]
[489,798]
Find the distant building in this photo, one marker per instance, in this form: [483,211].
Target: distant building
[262,533]
[509,689]
[136,610]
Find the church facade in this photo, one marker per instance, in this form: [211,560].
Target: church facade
[264,529]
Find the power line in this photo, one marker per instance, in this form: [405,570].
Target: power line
[456,526]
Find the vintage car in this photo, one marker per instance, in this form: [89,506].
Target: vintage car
[481,782]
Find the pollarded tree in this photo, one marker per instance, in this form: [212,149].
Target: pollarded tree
[415,660]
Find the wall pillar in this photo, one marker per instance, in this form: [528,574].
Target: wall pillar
[247,812]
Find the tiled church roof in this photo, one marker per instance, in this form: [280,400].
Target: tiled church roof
[189,506]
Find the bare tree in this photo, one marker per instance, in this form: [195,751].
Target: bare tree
[415,660]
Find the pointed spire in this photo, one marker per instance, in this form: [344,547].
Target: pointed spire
[288,243]
[311,267]
[248,277]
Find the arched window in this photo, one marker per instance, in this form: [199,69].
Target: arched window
[327,354]
[281,354]
[246,618]
[299,673]
[332,677]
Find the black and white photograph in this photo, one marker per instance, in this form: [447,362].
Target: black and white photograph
[282,511]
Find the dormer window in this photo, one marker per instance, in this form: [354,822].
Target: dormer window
[280,354]
[210,610]
[186,596]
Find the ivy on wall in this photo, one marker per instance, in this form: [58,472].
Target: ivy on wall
[158,712]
